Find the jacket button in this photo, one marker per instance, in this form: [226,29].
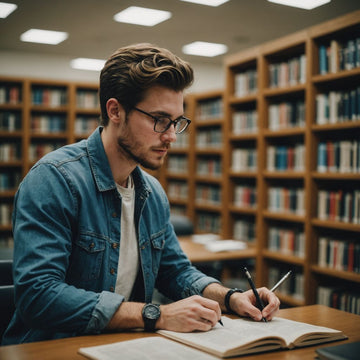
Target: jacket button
[111,289]
[114,214]
[114,245]
[112,271]
[92,245]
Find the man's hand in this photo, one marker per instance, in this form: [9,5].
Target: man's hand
[244,304]
[190,314]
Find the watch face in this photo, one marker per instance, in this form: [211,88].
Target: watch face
[152,311]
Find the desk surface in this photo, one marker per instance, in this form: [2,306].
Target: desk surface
[198,252]
[314,314]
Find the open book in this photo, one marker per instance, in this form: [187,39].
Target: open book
[245,336]
[237,337]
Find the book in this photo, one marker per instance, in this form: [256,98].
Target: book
[349,351]
[244,336]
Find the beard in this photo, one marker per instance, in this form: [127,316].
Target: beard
[140,158]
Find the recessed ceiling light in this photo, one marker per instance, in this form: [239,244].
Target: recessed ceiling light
[303,4]
[202,48]
[6,9]
[142,16]
[207,2]
[87,64]
[44,36]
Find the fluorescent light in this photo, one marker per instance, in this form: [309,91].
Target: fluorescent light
[6,9]
[44,36]
[302,4]
[207,2]
[87,64]
[201,48]
[142,16]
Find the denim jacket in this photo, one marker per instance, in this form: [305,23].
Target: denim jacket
[66,226]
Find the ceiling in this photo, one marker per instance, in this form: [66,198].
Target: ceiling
[239,24]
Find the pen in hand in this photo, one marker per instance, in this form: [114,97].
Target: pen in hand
[258,299]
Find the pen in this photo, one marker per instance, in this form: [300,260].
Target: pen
[280,281]
[220,322]
[247,274]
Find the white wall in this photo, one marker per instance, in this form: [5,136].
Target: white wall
[32,65]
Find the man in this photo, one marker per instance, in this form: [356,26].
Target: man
[91,229]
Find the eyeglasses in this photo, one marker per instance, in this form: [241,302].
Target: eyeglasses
[163,123]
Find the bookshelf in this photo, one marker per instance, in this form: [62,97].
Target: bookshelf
[36,117]
[304,145]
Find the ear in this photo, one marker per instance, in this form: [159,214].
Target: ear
[115,110]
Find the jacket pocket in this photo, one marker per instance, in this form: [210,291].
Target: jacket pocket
[157,246]
[88,254]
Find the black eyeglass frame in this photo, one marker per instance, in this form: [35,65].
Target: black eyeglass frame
[175,122]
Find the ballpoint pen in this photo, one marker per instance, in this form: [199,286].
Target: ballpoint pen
[280,281]
[261,304]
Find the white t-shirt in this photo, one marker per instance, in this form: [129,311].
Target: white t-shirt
[128,265]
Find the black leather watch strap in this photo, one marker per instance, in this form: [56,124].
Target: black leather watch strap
[227,299]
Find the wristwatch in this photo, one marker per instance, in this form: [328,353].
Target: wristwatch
[150,314]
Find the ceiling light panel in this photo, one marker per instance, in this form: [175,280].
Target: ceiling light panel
[142,16]
[207,2]
[44,36]
[6,9]
[302,4]
[87,64]
[202,48]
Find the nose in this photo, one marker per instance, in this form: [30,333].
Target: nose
[169,135]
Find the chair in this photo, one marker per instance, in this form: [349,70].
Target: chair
[182,225]
[7,305]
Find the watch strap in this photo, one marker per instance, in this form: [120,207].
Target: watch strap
[227,298]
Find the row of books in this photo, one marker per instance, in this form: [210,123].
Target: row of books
[38,150]
[209,167]
[339,298]
[208,223]
[337,55]
[338,106]
[177,164]
[6,242]
[10,121]
[10,94]
[85,125]
[51,97]
[244,230]
[86,99]
[245,122]
[210,109]
[244,160]
[287,241]
[10,151]
[208,194]
[9,180]
[286,115]
[5,214]
[48,123]
[246,83]
[339,156]
[209,138]
[293,286]
[245,196]
[288,73]
[182,141]
[178,190]
[286,200]
[285,158]
[339,254]
[339,205]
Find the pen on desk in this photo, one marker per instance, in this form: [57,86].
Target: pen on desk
[261,304]
[220,322]
[280,281]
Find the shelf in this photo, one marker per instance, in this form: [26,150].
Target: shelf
[344,275]
[285,258]
[336,225]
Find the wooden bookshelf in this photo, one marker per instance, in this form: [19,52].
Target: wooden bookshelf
[302,203]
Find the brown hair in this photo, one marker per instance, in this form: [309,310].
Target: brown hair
[132,70]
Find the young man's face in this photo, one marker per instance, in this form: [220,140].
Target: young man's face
[138,138]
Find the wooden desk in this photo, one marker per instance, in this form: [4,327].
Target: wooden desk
[67,348]
[198,252]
